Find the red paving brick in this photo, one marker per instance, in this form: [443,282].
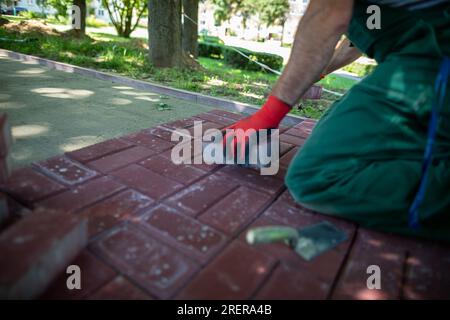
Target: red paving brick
[201,195]
[161,132]
[427,270]
[94,274]
[107,213]
[146,139]
[182,173]
[295,140]
[84,195]
[28,185]
[158,268]
[65,170]
[99,150]
[215,118]
[40,244]
[235,274]
[252,179]
[159,230]
[121,159]
[149,183]
[371,248]
[235,211]
[190,236]
[119,289]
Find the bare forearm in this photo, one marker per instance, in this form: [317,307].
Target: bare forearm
[318,32]
[343,55]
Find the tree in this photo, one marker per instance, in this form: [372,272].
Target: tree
[273,12]
[121,13]
[82,5]
[60,6]
[164,33]
[190,27]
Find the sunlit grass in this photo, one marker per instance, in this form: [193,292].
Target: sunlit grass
[129,57]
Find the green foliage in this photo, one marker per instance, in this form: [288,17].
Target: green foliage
[269,12]
[210,39]
[272,12]
[125,14]
[91,21]
[32,15]
[60,6]
[129,57]
[210,50]
[235,59]
[359,69]
[213,47]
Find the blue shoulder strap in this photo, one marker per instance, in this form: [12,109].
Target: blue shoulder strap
[438,103]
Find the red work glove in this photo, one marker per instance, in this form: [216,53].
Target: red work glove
[268,117]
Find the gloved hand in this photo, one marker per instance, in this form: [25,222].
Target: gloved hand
[268,117]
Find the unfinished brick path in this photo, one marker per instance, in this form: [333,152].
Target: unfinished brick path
[160,231]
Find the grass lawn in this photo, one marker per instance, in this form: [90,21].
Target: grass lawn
[129,57]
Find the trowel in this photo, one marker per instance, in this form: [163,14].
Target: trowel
[308,242]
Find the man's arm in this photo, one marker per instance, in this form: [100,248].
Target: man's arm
[343,55]
[317,34]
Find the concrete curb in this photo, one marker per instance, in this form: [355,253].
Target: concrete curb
[215,102]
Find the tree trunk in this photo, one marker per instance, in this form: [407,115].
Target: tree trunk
[164,33]
[282,31]
[82,5]
[190,28]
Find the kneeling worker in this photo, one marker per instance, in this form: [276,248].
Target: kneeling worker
[380,155]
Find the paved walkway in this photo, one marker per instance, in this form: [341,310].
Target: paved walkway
[53,111]
[160,231]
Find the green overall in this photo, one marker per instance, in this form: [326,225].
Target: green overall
[363,159]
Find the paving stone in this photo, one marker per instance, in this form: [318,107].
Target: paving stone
[186,234]
[230,115]
[4,208]
[5,168]
[28,185]
[371,248]
[307,124]
[120,289]
[236,210]
[215,118]
[234,274]
[16,210]
[181,173]
[201,195]
[158,268]
[83,195]
[301,132]
[181,123]
[121,159]
[152,142]
[290,282]
[94,274]
[6,138]
[107,213]
[427,268]
[65,170]
[295,216]
[36,249]
[162,133]
[99,150]
[149,183]
[285,147]
[253,179]
[295,140]
[286,159]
